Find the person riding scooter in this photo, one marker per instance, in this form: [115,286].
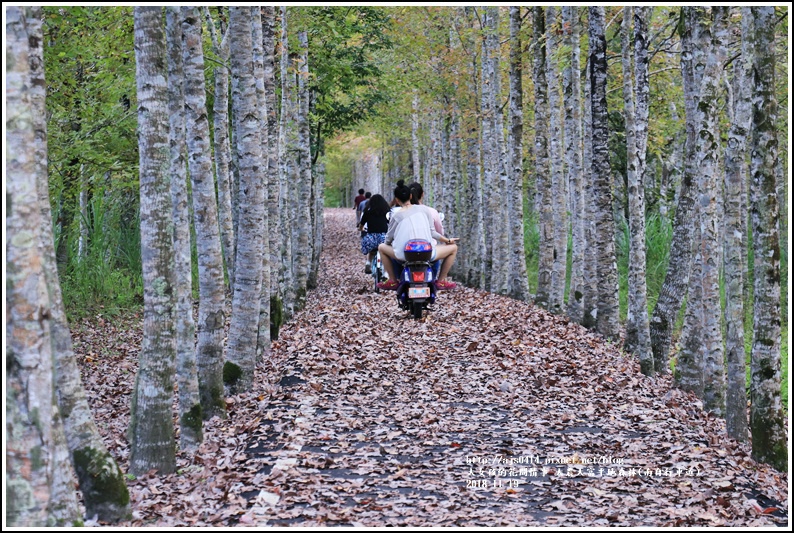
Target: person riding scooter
[413,222]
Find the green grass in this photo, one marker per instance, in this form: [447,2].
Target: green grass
[108,278]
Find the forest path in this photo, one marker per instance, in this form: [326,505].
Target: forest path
[364,416]
[470,416]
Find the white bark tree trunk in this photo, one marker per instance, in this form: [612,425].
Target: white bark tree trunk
[101,481]
[38,473]
[303,251]
[766,415]
[259,57]
[211,317]
[573,158]
[273,197]
[637,333]
[590,300]
[735,248]
[608,308]
[543,294]
[152,440]
[222,151]
[519,286]
[190,433]
[238,371]
[559,205]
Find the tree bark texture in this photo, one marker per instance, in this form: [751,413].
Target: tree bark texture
[766,415]
[152,440]
[637,339]
[211,317]
[543,183]
[238,371]
[607,320]
[519,286]
[274,193]
[223,156]
[101,481]
[735,247]
[559,204]
[676,280]
[38,472]
[258,42]
[303,251]
[573,158]
[190,431]
[590,289]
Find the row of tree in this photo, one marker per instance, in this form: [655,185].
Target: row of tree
[462,136]
[229,184]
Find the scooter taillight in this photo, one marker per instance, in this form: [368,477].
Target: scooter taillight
[418,277]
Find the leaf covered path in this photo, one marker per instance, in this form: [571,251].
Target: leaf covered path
[487,412]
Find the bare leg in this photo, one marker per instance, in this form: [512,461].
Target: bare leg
[387,254]
[447,252]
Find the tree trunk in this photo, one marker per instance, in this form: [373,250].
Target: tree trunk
[766,415]
[543,295]
[519,286]
[558,201]
[303,251]
[238,371]
[637,339]
[211,317]
[415,136]
[223,156]
[274,224]
[152,443]
[607,320]
[676,280]
[590,300]
[287,146]
[573,158]
[102,482]
[190,433]
[39,488]
[259,58]
[735,249]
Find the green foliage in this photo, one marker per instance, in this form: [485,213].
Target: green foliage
[344,64]
[109,275]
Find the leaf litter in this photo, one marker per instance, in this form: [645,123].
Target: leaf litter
[485,412]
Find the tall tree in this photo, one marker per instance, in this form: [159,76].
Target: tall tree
[274,244]
[38,472]
[573,157]
[286,149]
[211,318]
[258,41]
[637,332]
[590,287]
[676,281]
[519,286]
[543,296]
[152,442]
[102,482]
[222,148]
[735,216]
[303,251]
[766,414]
[190,433]
[557,199]
[238,370]
[607,319]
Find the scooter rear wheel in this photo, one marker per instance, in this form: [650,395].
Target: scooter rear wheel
[416,310]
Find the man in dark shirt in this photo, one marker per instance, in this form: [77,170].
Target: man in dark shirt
[358,200]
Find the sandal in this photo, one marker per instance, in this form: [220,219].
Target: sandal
[445,285]
[390,285]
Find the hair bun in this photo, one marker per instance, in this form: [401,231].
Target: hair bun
[400,183]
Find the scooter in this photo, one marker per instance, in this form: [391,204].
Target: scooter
[378,272]
[417,287]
